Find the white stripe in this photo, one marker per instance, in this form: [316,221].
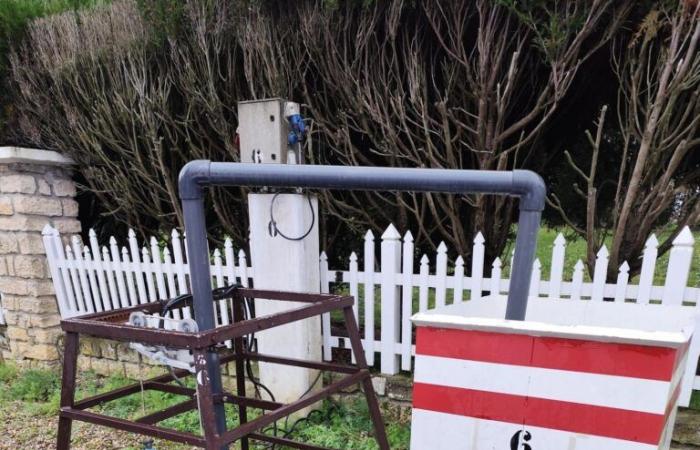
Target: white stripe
[633,394]
[439,431]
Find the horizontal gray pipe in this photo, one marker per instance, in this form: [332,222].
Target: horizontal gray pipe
[520,183]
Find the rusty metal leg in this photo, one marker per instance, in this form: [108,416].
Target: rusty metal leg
[70,363]
[372,403]
[205,398]
[240,367]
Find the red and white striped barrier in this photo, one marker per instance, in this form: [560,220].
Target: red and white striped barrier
[491,384]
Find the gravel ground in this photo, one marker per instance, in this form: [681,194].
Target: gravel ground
[22,429]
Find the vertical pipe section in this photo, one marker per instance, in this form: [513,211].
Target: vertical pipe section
[526,185]
[200,281]
[525,246]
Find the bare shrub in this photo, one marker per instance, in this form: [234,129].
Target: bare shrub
[658,119]
[132,111]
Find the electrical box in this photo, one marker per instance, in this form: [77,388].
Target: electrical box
[262,131]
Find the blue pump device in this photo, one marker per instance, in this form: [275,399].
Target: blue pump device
[297,128]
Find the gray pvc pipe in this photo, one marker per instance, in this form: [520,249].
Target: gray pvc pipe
[195,176]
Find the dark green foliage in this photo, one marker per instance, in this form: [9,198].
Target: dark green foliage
[164,18]
[8,372]
[15,16]
[35,385]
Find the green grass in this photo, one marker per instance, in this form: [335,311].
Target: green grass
[695,400]
[335,424]
[576,249]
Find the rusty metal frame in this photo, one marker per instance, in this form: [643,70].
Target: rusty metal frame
[113,325]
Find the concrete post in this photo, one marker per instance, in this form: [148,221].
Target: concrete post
[36,189]
[282,264]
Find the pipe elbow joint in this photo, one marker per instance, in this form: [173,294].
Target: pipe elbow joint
[531,188]
[193,177]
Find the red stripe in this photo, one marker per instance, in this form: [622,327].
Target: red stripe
[572,417]
[627,360]
[674,399]
[680,355]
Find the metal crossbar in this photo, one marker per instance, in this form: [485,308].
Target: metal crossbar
[112,325]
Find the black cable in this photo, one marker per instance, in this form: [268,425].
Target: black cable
[175,377]
[249,312]
[273,223]
[249,340]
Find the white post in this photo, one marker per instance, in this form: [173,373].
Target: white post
[391,310]
[368,298]
[354,293]
[407,301]
[678,268]
[287,265]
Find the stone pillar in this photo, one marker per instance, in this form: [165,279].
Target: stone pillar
[36,189]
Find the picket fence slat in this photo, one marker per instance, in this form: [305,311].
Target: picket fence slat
[495,281]
[556,274]
[622,280]
[535,278]
[157,262]
[458,280]
[600,274]
[109,275]
[678,270]
[390,304]
[105,295]
[423,284]
[354,292]
[135,256]
[369,297]
[407,300]
[325,318]
[75,283]
[148,272]
[82,274]
[477,273]
[90,277]
[180,273]
[646,276]
[441,274]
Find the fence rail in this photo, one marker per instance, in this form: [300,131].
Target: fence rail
[92,278]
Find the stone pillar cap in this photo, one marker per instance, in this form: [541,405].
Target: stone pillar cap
[33,156]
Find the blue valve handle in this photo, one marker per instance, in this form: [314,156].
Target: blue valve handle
[298,131]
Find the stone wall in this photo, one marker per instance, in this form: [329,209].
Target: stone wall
[36,189]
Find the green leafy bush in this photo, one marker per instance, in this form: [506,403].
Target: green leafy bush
[35,385]
[8,372]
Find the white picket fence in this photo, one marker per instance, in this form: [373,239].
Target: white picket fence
[91,278]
